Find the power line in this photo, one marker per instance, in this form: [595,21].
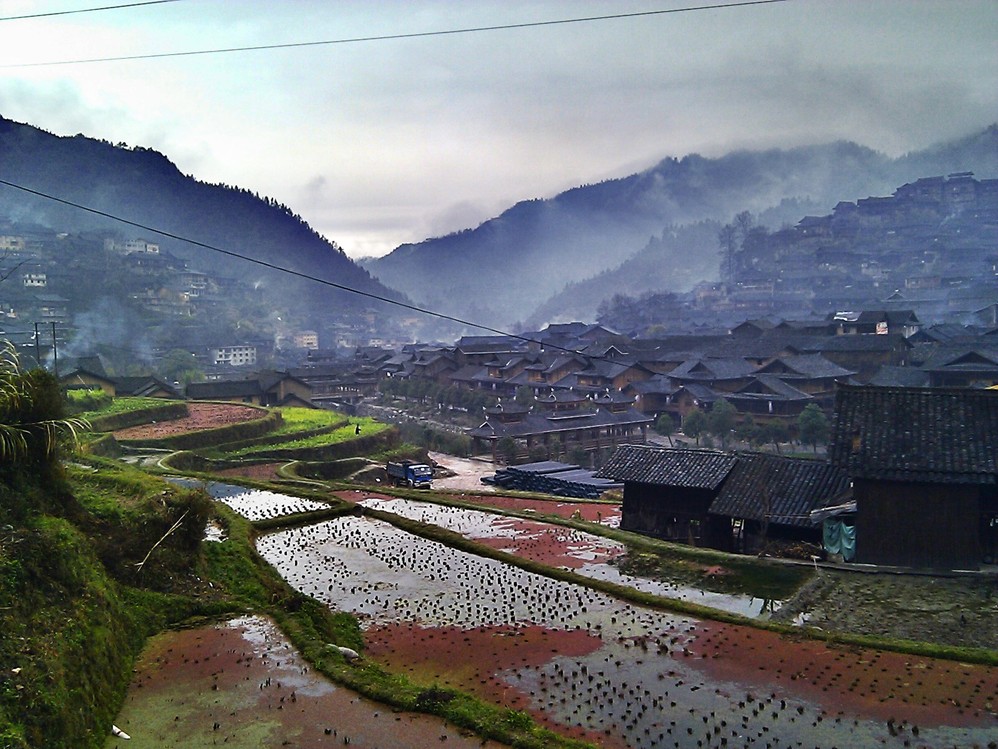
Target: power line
[50,14]
[391,37]
[289,271]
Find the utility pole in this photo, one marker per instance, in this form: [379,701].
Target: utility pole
[55,353]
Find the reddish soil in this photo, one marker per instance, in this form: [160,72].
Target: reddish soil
[241,685]
[260,472]
[856,681]
[542,543]
[471,660]
[589,511]
[200,416]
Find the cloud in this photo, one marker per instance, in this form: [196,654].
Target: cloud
[457,216]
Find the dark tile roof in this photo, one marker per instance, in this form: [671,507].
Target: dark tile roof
[556,422]
[948,359]
[712,369]
[544,466]
[768,387]
[938,435]
[270,379]
[785,489]
[657,384]
[946,332]
[865,342]
[223,389]
[701,469]
[702,393]
[890,376]
[470,373]
[143,386]
[804,366]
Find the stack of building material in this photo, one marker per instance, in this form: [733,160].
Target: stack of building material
[552,477]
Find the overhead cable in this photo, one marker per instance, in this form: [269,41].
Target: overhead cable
[391,37]
[50,14]
[289,271]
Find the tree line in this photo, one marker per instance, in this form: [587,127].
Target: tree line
[721,422]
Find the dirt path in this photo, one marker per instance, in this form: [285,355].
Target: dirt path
[468,473]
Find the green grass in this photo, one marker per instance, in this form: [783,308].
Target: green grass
[343,434]
[122,405]
[307,419]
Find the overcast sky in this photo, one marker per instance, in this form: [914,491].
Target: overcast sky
[377,143]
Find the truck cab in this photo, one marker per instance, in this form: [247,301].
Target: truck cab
[408,473]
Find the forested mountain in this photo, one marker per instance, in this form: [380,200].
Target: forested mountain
[508,268]
[145,187]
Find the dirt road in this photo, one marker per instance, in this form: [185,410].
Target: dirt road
[468,473]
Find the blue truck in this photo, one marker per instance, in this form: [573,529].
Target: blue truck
[408,473]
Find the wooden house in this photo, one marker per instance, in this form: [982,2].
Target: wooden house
[771,497]
[569,421]
[668,492]
[265,389]
[144,386]
[924,466]
[82,378]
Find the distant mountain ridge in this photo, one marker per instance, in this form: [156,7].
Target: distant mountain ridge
[509,268]
[145,187]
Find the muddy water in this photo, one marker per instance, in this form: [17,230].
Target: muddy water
[240,684]
[254,504]
[557,546]
[610,672]
[647,679]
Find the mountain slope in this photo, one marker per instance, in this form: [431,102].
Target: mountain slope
[509,265]
[145,187]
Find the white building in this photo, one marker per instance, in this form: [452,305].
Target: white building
[237,356]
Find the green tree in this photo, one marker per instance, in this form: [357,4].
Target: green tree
[507,449]
[665,425]
[180,366]
[32,420]
[775,432]
[579,456]
[747,431]
[695,424]
[524,395]
[721,420]
[812,426]
[727,238]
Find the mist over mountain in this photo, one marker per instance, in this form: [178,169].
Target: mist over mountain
[508,269]
[145,187]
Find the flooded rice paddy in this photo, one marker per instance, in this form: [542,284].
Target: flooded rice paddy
[254,504]
[558,546]
[240,684]
[608,671]
[629,676]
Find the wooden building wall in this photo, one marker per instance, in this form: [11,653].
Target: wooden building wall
[671,513]
[917,525]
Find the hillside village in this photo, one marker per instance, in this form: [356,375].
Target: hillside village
[591,395]
[896,291]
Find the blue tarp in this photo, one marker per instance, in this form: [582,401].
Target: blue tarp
[840,538]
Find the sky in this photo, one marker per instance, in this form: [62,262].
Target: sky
[381,142]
